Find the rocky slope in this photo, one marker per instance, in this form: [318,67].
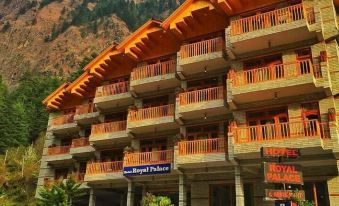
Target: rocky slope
[25,37]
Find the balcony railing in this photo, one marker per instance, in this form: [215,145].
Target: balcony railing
[58,150]
[109,127]
[151,113]
[280,131]
[63,119]
[80,142]
[145,158]
[267,20]
[274,72]
[202,47]
[203,95]
[104,167]
[153,70]
[112,89]
[205,146]
[85,109]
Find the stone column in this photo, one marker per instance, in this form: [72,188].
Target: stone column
[130,194]
[91,198]
[333,189]
[239,187]
[182,190]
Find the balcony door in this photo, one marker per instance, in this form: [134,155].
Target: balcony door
[154,145]
[202,84]
[155,102]
[202,132]
[111,155]
[304,58]
[310,115]
[222,195]
[269,124]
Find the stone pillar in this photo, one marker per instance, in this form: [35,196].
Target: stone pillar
[333,189]
[130,194]
[91,198]
[182,190]
[239,188]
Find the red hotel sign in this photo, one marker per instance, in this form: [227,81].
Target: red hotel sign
[279,152]
[284,194]
[282,173]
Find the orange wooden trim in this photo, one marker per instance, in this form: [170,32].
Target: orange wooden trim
[334,195]
[152,70]
[100,56]
[145,158]
[151,113]
[80,142]
[104,167]
[55,93]
[108,128]
[206,146]
[166,24]
[202,95]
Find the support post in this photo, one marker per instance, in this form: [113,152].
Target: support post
[91,198]
[239,187]
[130,194]
[182,190]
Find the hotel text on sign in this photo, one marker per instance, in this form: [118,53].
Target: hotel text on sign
[284,194]
[279,152]
[147,169]
[282,173]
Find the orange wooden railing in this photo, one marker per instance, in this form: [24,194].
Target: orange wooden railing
[279,131]
[202,47]
[151,113]
[204,146]
[144,158]
[267,20]
[63,119]
[274,72]
[112,89]
[108,127]
[202,95]
[85,109]
[153,70]
[104,167]
[80,142]
[310,15]
[58,150]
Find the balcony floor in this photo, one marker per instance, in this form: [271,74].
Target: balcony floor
[286,87]
[86,119]
[110,138]
[152,125]
[82,151]
[201,160]
[153,84]
[113,101]
[198,64]
[61,159]
[198,110]
[115,177]
[64,128]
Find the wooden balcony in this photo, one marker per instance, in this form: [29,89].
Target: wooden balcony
[278,27]
[63,124]
[211,152]
[81,147]
[154,77]
[59,155]
[201,103]
[149,158]
[109,133]
[104,172]
[200,56]
[113,95]
[151,119]
[289,79]
[303,135]
[86,114]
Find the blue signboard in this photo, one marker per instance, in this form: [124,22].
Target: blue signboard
[283,203]
[147,169]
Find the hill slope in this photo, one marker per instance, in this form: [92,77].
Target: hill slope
[53,36]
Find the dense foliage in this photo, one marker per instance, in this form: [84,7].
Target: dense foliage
[151,200]
[61,193]
[22,115]
[18,175]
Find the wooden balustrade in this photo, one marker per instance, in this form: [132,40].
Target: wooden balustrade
[108,127]
[267,19]
[202,95]
[104,167]
[85,109]
[153,70]
[145,158]
[274,72]
[310,15]
[205,146]
[112,89]
[202,47]
[63,119]
[58,150]
[80,142]
[279,131]
[151,113]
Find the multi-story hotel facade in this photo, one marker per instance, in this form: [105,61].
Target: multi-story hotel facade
[182,107]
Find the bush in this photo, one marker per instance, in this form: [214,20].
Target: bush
[152,200]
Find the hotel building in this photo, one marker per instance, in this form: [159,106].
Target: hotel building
[182,107]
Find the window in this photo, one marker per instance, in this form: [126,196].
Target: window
[310,111]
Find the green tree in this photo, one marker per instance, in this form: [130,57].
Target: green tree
[151,200]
